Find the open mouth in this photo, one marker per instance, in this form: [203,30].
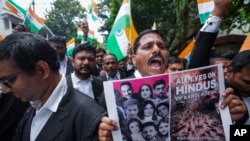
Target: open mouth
[155,62]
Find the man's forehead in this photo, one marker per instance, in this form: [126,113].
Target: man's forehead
[159,85]
[150,36]
[132,106]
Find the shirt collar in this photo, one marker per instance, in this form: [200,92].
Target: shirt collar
[55,98]
[76,80]
[137,74]
[116,77]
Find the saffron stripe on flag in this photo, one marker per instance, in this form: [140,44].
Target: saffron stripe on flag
[205,8]
[246,44]
[122,32]
[185,53]
[14,8]
[34,22]
[70,46]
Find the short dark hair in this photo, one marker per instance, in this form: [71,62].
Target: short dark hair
[176,59]
[130,102]
[84,47]
[138,38]
[157,82]
[229,54]
[126,83]
[58,38]
[241,60]
[107,54]
[25,49]
[23,27]
[99,49]
[150,123]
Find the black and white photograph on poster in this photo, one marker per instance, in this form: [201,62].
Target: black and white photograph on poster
[142,107]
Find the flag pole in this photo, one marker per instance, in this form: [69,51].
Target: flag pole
[49,30]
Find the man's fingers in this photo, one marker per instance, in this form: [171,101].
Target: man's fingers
[108,124]
[228,99]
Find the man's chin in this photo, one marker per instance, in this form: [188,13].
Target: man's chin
[155,71]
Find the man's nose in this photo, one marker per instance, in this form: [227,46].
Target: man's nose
[5,89]
[155,49]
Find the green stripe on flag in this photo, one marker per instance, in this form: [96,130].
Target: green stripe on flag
[33,27]
[117,41]
[113,47]
[23,11]
[203,17]
[79,36]
[121,23]
[70,51]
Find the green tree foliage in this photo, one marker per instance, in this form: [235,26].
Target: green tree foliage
[177,20]
[237,17]
[64,17]
[175,24]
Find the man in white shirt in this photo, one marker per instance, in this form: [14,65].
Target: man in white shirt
[83,63]
[30,71]
[109,65]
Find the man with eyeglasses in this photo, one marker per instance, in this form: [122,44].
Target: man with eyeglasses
[30,71]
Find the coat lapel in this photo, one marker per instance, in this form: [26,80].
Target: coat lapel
[55,123]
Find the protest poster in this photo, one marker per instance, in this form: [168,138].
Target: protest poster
[177,106]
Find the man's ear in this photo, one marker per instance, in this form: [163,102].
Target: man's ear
[229,71]
[43,68]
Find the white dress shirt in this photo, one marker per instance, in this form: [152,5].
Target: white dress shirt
[84,86]
[212,24]
[51,105]
[63,66]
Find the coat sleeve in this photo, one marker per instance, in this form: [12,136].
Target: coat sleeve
[200,54]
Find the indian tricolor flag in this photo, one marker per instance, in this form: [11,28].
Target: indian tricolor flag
[122,32]
[70,46]
[205,8]
[187,51]
[246,44]
[15,9]
[93,10]
[90,35]
[34,22]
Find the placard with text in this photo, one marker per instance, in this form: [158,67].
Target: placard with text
[177,106]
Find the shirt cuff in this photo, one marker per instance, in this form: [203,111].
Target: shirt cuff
[83,42]
[212,24]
